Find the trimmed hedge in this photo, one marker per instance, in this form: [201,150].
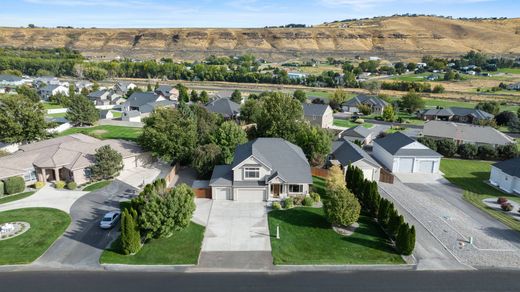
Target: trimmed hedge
[59,184]
[1,188]
[71,185]
[14,185]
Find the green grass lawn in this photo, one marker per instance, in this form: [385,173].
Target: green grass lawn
[307,238]
[471,175]
[509,70]
[117,114]
[349,124]
[10,198]
[60,115]
[318,185]
[107,132]
[52,105]
[415,77]
[46,226]
[97,185]
[182,248]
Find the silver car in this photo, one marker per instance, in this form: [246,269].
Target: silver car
[110,219]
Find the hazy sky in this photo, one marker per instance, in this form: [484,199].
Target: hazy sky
[231,13]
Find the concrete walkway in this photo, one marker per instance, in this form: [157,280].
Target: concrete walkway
[47,197]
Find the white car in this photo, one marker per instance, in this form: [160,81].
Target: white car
[110,219]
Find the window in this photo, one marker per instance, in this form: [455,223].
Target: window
[88,172]
[252,172]
[30,175]
[295,188]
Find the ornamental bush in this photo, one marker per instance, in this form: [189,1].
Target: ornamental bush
[14,185]
[506,207]
[468,151]
[39,184]
[298,200]
[383,213]
[130,237]
[447,147]
[1,188]
[308,202]
[405,240]
[501,200]
[315,197]
[341,207]
[71,185]
[277,206]
[288,203]
[486,152]
[394,223]
[59,184]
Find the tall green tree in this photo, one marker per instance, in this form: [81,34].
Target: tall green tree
[228,136]
[204,97]
[82,112]
[315,142]
[130,237]
[108,163]
[341,207]
[279,116]
[236,96]
[28,92]
[205,157]
[300,95]
[412,102]
[21,120]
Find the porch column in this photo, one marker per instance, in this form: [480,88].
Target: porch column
[56,174]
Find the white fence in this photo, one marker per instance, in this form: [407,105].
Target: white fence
[60,128]
[56,111]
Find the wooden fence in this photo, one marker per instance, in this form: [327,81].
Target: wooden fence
[321,172]
[204,193]
[386,176]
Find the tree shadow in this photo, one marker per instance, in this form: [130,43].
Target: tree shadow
[302,217]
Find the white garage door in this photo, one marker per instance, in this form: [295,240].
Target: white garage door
[221,194]
[426,166]
[405,165]
[368,173]
[250,195]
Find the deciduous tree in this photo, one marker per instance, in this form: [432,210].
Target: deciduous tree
[21,120]
[108,163]
[82,111]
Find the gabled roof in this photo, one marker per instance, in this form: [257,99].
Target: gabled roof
[510,167]
[224,106]
[150,107]
[98,94]
[278,154]
[222,176]
[224,94]
[164,89]
[466,132]
[356,132]
[50,87]
[347,152]
[459,111]
[311,109]
[141,98]
[10,78]
[365,99]
[394,143]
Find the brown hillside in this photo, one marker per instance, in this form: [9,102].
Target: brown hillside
[392,38]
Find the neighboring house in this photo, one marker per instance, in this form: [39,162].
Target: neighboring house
[376,104]
[402,154]
[66,158]
[263,169]
[81,84]
[296,75]
[11,80]
[51,90]
[345,152]
[514,86]
[223,94]
[131,116]
[144,103]
[106,115]
[47,80]
[224,106]
[168,92]
[122,87]
[106,97]
[456,114]
[506,175]
[363,134]
[320,115]
[466,133]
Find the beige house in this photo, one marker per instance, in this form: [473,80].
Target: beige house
[66,158]
[320,115]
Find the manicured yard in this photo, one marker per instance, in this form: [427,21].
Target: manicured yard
[10,198]
[350,124]
[60,115]
[509,70]
[97,185]
[182,248]
[52,105]
[318,185]
[307,238]
[117,114]
[46,226]
[107,132]
[471,175]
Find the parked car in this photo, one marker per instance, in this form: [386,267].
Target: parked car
[110,219]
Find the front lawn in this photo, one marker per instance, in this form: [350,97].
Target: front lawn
[10,198]
[97,185]
[471,175]
[107,132]
[350,124]
[306,238]
[182,248]
[46,226]
[52,105]
[318,185]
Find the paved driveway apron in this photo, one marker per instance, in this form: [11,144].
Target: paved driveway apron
[439,206]
[237,236]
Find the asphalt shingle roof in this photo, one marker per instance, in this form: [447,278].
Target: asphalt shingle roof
[222,176]
[466,133]
[394,143]
[459,111]
[347,152]
[142,98]
[224,106]
[10,78]
[510,167]
[365,99]
[311,109]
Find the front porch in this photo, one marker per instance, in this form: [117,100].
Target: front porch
[54,174]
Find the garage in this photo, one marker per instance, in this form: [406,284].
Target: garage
[426,166]
[250,195]
[406,165]
[368,173]
[221,194]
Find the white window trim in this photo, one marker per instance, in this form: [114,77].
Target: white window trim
[246,169]
[298,192]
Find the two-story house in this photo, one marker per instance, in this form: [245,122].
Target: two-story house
[320,115]
[264,169]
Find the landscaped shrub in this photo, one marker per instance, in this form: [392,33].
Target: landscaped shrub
[428,142]
[14,185]
[298,200]
[71,185]
[383,212]
[359,121]
[277,206]
[59,184]
[501,200]
[130,237]
[394,223]
[447,147]
[288,203]
[1,188]
[507,151]
[39,184]
[506,207]
[486,152]
[308,201]
[315,197]
[341,206]
[468,151]
[405,240]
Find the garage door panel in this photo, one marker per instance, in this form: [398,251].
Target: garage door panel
[250,195]
[406,165]
[222,194]
[426,166]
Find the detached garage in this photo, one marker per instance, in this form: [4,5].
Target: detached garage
[506,175]
[402,154]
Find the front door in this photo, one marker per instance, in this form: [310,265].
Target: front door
[276,189]
[50,175]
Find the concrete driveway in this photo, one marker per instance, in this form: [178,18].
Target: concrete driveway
[237,237]
[438,206]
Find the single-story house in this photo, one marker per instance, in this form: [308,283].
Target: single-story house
[320,115]
[131,116]
[455,114]
[345,152]
[11,80]
[48,80]
[106,97]
[466,133]
[264,169]
[168,92]
[375,103]
[144,103]
[122,87]
[224,106]
[106,114]
[506,175]
[51,90]
[66,158]
[402,154]
[363,134]
[81,84]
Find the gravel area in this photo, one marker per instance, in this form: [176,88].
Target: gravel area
[441,209]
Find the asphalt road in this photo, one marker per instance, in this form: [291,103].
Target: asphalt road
[297,281]
[83,241]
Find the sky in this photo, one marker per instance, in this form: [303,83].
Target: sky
[232,13]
